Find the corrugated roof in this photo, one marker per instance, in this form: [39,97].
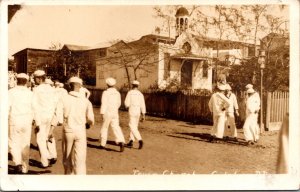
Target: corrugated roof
[101,45]
[35,49]
[76,47]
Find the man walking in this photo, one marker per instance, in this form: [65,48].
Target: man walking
[20,115]
[110,104]
[44,105]
[230,127]
[217,105]
[251,128]
[78,112]
[136,103]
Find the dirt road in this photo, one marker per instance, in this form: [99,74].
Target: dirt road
[171,147]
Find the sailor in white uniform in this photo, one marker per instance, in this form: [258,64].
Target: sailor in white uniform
[110,104]
[136,103]
[20,111]
[44,105]
[78,115]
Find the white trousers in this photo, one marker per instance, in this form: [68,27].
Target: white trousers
[251,128]
[133,125]
[112,121]
[20,134]
[74,147]
[219,125]
[230,127]
[47,148]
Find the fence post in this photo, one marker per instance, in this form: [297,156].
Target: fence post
[268,110]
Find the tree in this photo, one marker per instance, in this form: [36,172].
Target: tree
[11,65]
[68,63]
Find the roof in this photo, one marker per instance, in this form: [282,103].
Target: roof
[189,56]
[76,47]
[33,49]
[182,11]
[101,45]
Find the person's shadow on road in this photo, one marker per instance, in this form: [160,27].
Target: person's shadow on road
[206,138]
[11,170]
[98,147]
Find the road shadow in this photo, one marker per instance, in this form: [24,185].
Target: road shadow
[35,163]
[98,147]
[92,139]
[12,170]
[207,138]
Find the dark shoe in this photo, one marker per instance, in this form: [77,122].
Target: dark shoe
[121,147]
[235,139]
[130,144]
[52,161]
[250,142]
[19,169]
[211,139]
[102,147]
[141,143]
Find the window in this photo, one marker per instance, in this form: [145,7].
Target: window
[102,52]
[100,74]
[205,70]
[166,65]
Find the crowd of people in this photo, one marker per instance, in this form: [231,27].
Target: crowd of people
[46,105]
[39,104]
[224,107]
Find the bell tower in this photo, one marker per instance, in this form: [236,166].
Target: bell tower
[182,16]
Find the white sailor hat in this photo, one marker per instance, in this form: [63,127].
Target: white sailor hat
[48,81]
[75,80]
[135,82]
[56,83]
[251,90]
[249,86]
[110,81]
[61,85]
[39,73]
[221,87]
[228,87]
[23,76]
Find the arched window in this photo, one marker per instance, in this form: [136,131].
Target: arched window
[181,21]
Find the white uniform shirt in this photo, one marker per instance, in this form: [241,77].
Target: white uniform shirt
[233,103]
[253,103]
[110,102]
[20,101]
[61,92]
[136,102]
[217,102]
[84,92]
[44,102]
[77,110]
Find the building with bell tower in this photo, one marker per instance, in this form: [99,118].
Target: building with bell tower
[182,17]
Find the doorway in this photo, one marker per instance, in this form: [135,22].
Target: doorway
[186,73]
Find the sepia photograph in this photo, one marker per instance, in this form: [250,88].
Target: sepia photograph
[160,95]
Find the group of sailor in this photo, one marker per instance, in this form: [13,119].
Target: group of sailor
[49,105]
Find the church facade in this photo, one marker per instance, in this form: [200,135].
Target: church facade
[184,62]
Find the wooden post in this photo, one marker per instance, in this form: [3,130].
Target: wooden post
[268,110]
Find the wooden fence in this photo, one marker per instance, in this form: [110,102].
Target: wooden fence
[277,106]
[194,108]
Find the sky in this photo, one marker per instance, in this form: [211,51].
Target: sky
[38,26]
